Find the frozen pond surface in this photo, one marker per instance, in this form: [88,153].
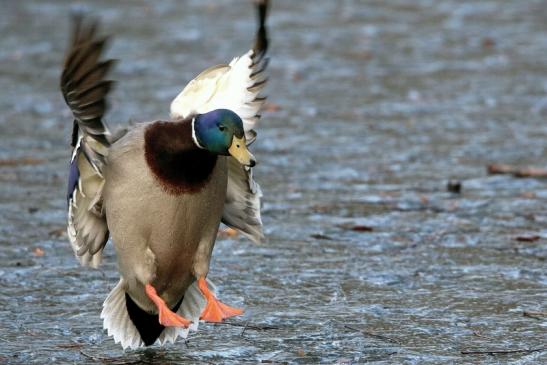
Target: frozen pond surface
[374,106]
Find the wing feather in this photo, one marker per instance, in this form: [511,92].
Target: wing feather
[83,82]
[242,207]
[236,86]
[85,88]
[87,226]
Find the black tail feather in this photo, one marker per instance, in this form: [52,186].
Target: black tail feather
[147,324]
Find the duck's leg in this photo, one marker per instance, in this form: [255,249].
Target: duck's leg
[215,310]
[144,268]
[167,317]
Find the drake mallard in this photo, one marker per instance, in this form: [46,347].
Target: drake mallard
[160,189]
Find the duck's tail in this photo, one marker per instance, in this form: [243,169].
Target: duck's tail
[133,327]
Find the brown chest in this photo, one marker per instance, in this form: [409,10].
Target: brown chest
[179,166]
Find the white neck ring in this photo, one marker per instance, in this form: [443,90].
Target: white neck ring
[194,137]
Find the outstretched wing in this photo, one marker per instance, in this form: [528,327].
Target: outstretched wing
[237,87]
[85,88]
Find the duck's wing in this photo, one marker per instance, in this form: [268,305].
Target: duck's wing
[84,87]
[242,206]
[236,86]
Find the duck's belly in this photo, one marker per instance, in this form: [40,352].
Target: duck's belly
[156,233]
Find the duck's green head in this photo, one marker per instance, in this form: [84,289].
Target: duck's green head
[221,132]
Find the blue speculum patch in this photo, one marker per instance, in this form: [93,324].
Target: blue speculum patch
[73,176]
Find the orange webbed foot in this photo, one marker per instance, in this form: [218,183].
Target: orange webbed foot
[215,310]
[167,317]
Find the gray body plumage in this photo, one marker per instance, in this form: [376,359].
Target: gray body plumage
[158,235]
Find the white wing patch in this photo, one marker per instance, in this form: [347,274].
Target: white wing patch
[235,86]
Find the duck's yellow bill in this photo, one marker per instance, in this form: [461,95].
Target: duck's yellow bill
[239,151]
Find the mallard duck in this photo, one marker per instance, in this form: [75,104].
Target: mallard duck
[160,189]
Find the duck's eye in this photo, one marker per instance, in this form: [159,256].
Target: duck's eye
[221,127]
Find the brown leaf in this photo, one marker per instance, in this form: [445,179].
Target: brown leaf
[516,170]
[498,168]
[535,315]
[271,107]
[356,227]
[319,236]
[58,232]
[528,238]
[488,43]
[528,195]
[11,162]
[38,252]
[70,345]
[362,228]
